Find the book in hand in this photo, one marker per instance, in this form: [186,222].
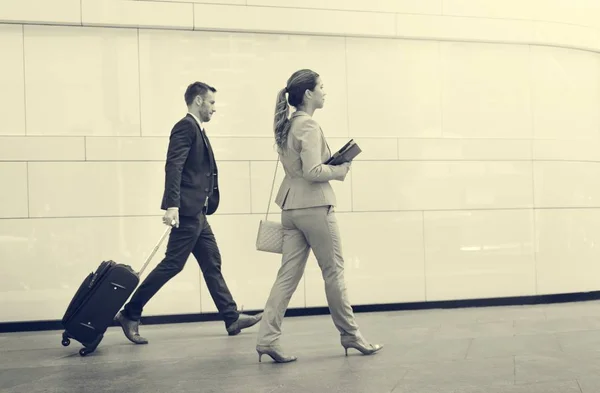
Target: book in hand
[346,154]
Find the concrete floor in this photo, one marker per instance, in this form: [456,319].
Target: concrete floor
[530,349]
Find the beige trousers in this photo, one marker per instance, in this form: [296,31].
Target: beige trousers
[313,228]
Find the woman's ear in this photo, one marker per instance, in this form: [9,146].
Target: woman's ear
[308,93]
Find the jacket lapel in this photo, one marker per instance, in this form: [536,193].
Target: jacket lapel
[302,113]
[211,156]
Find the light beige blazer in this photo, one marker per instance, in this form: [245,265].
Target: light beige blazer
[306,182]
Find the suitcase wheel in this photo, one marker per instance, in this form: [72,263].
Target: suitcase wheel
[65,339]
[84,351]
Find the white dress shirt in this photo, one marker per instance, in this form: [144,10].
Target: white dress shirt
[197,121]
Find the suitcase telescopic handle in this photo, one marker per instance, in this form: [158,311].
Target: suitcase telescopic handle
[162,238]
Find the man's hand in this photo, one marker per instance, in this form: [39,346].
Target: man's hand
[171,217]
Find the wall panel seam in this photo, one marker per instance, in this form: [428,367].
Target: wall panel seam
[441,75]
[28,194]
[24,78]
[424,255]
[533,160]
[348,117]
[339,212]
[250,183]
[340,34]
[356,162]
[379,12]
[139,69]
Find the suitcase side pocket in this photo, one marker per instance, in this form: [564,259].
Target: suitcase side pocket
[86,288]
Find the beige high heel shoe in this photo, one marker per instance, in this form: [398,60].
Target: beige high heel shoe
[274,353]
[359,344]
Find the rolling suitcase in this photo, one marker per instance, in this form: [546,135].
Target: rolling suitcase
[98,299]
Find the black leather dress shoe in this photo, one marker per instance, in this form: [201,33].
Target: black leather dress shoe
[244,321]
[130,328]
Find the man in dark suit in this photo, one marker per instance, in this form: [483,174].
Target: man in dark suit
[191,194]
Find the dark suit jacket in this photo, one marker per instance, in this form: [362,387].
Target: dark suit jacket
[191,174]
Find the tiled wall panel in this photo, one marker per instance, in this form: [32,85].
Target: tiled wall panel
[477,177]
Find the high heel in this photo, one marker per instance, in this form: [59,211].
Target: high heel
[274,353]
[360,345]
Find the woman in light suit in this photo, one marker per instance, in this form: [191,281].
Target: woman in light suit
[307,202]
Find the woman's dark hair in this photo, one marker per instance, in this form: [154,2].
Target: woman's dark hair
[297,84]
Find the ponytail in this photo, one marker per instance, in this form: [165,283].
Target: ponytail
[296,86]
[281,124]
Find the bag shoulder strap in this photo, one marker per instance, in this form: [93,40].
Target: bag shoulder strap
[272,188]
